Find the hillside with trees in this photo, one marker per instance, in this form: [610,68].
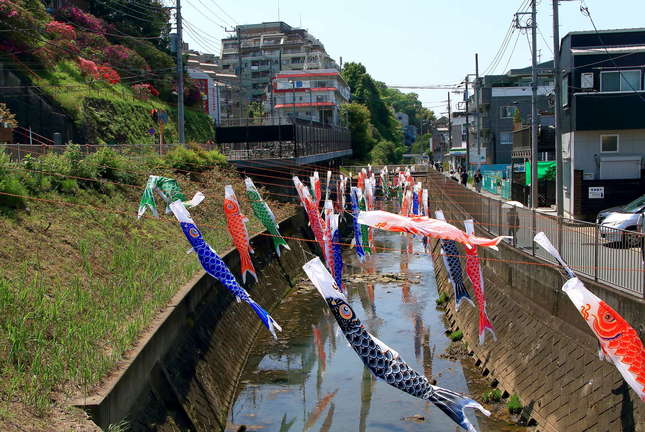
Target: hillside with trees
[376,134]
[91,67]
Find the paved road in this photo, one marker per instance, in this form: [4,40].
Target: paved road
[612,263]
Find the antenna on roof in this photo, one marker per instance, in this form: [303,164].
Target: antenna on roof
[278,10]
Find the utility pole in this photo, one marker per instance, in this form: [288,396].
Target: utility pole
[532,24]
[534,114]
[467,129]
[478,114]
[449,125]
[180,77]
[559,194]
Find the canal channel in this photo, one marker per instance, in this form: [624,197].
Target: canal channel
[310,379]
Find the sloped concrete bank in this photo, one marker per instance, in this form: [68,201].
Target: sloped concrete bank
[544,352]
[183,376]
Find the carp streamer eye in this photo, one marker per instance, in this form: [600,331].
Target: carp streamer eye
[345,312]
[230,206]
[609,317]
[193,232]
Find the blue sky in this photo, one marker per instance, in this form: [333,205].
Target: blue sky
[411,42]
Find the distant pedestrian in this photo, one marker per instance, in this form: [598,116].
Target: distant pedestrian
[464,177]
[478,181]
[513,221]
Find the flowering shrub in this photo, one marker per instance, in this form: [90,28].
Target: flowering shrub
[144,91]
[61,30]
[125,59]
[14,18]
[107,74]
[8,9]
[83,19]
[91,40]
[88,68]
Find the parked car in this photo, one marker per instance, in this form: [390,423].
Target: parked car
[613,222]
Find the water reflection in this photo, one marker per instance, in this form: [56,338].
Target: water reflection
[310,379]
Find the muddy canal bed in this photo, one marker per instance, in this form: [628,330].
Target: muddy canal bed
[310,379]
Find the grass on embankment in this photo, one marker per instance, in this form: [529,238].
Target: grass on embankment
[79,285]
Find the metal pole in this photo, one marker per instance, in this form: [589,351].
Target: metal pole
[180,77]
[477,108]
[467,130]
[534,115]
[449,125]
[559,193]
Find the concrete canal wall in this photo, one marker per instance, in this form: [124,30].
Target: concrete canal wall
[545,353]
[184,374]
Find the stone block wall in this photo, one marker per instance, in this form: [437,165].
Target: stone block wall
[545,353]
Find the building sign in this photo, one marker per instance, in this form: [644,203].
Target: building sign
[596,192]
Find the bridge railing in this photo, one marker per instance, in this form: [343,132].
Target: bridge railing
[607,255]
[288,141]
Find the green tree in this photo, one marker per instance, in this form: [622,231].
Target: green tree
[421,145]
[386,152]
[361,128]
[366,91]
[145,18]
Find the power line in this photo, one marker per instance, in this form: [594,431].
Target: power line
[510,57]
[504,45]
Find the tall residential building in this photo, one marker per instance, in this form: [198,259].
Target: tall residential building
[501,96]
[312,95]
[219,90]
[257,52]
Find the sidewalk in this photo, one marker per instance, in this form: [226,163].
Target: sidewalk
[551,210]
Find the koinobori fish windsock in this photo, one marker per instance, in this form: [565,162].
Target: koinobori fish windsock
[362,205]
[422,225]
[327,186]
[236,223]
[450,256]
[380,359]
[214,266]
[329,252]
[311,208]
[476,276]
[169,190]
[338,252]
[358,236]
[424,202]
[315,188]
[619,342]
[263,213]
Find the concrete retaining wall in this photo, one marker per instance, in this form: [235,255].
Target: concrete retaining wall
[185,374]
[545,353]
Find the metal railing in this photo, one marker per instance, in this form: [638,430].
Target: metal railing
[607,255]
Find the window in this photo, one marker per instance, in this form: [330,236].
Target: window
[586,80]
[506,138]
[507,111]
[609,143]
[565,91]
[628,80]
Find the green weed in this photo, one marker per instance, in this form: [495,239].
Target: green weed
[456,336]
[443,299]
[514,404]
[492,396]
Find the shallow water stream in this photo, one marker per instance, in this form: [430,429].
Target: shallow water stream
[310,379]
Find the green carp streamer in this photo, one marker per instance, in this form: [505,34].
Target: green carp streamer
[264,214]
[169,190]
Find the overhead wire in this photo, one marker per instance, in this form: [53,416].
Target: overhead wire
[302,239]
